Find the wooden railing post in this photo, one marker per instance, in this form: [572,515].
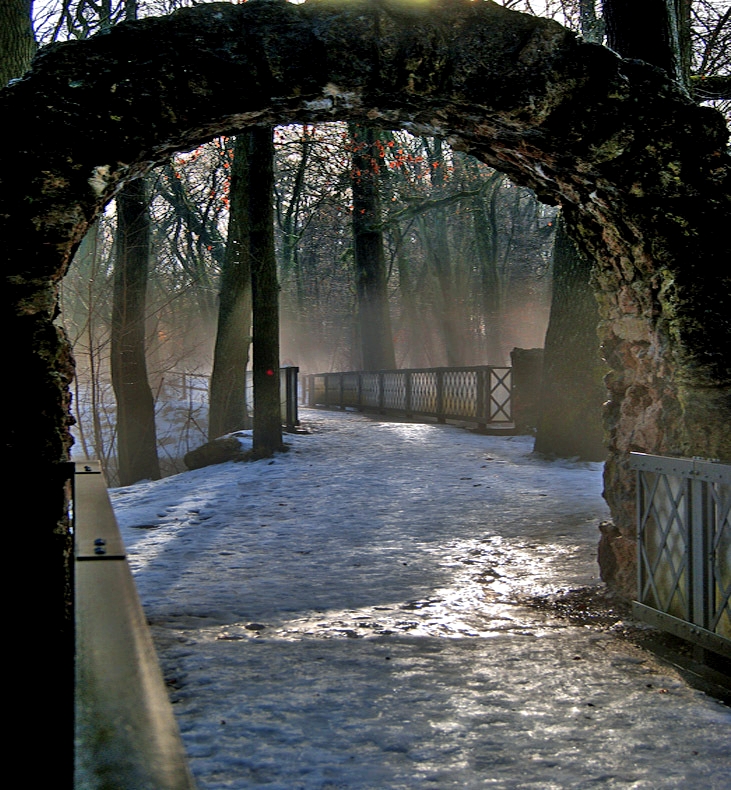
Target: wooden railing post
[480,406]
[407,388]
[290,388]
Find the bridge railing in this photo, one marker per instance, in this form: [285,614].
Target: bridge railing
[480,394]
[684,548]
[195,386]
[126,735]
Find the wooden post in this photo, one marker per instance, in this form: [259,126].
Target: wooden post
[480,405]
[290,389]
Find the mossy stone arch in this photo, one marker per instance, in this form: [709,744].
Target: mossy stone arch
[642,174]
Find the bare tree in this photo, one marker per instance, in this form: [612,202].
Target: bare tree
[227,402]
[374,321]
[572,393]
[265,294]
[136,438]
[17,42]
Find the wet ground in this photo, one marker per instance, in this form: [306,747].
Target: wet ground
[391,605]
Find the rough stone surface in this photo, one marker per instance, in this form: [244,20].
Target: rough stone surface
[641,172]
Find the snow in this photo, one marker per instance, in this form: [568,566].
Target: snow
[352,614]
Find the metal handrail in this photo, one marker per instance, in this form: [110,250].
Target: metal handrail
[288,385]
[126,735]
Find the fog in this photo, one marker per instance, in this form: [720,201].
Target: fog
[466,271]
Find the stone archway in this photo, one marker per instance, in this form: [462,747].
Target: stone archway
[641,172]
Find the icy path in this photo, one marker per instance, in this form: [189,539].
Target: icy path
[348,616]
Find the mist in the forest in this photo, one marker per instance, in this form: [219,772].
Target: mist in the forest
[417,345]
[466,269]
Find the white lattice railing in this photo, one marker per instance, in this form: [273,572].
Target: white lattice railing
[481,394]
[684,548]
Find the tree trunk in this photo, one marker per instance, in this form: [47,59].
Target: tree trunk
[293,311]
[87,258]
[592,27]
[265,294]
[570,424]
[374,321]
[436,238]
[17,42]
[484,218]
[649,30]
[136,439]
[227,403]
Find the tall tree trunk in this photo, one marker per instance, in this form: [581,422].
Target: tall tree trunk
[649,30]
[291,269]
[374,320]
[484,216]
[136,439]
[571,421]
[265,294]
[290,220]
[414,342]
[227,407]
[17,42]
[592,26]
[87,256]
[435,233]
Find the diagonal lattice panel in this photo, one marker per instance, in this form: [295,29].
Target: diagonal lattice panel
[664,544]
[684,547]
[720,562]
[499,398]
[424,392]
[459,398]
[394,390]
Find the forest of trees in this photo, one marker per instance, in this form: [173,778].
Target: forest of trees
[391,250]
[467,262]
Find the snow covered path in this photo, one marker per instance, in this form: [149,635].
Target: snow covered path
[348,615]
